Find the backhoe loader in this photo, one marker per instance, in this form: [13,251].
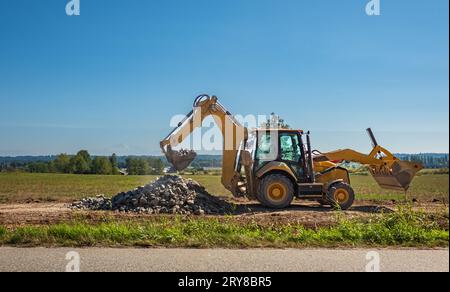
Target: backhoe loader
[274,166]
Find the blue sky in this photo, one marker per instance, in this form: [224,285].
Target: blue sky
[111,79]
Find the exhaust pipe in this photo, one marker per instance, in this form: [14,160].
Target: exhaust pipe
[372,137]
[310,158]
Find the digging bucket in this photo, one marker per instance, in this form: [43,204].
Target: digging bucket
[180,159]
[398,177]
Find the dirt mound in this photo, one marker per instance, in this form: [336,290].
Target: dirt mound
[169,194]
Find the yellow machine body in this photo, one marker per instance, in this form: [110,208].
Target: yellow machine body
[315,175]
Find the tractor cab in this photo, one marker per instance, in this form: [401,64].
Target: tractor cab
[285,158]
[282,147]
[268,147]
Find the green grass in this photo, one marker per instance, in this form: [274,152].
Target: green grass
[424,187]
[434,171]
[20,187]
[402,229]
[2,232]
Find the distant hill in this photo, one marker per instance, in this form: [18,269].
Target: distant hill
[200,161]
[429,160]
[26,159]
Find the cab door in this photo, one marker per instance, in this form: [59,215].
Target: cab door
[292,153]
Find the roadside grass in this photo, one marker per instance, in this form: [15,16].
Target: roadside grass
[2,232]
[405,228]
[23,187]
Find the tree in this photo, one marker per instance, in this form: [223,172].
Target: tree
[85,155]
[101,165]
[81,163]
[38,167]
[137,166]
[79,166]
[275,122]
[113,160]
[62,163]
[158,166]
[51,167]
[131,166]
[114,164]
[143,167]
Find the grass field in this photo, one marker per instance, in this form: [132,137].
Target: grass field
[22,187]
[402,228]
[424,188]
[405,228]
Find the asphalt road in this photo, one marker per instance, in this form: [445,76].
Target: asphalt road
[221,260]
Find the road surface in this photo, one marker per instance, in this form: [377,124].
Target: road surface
[222,260]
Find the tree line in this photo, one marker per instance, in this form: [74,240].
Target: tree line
[84,163]
[144,165]
[433,161]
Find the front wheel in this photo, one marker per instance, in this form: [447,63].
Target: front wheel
[341,195]
[276,191]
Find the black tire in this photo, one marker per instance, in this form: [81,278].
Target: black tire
[269,188]
[341,195]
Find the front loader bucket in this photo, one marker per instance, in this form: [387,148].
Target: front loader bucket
[398,177]
[180,159]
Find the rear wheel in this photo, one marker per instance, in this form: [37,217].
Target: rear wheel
[341,195]
[276,191]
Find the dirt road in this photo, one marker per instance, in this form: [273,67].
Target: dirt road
[306,213]
[221,260]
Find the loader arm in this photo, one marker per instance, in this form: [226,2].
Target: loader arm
[232,131]
[373,159]
[388,171]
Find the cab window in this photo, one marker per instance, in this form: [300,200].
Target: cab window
[266,150]
[290,147]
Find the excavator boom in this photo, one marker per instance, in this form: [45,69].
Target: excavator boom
[232,131]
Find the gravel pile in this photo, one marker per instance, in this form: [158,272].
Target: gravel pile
[99,203]
[167,195]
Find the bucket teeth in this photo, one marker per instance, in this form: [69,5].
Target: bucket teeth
[398,177]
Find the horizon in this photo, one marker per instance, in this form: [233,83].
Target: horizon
[162,155]
[111,79]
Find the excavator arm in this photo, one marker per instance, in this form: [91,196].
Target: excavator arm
[232,131]
[387,170]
